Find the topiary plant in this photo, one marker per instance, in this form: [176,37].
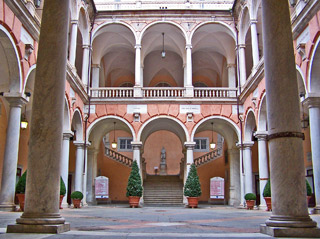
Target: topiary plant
[77,195]
[63,190]
[192,188]
[134,187]
[309,190]
[250,196]
[21,185]
[267,189]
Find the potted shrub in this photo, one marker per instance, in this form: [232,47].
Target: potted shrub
[20,190]
[309,191]
[62,191]
[250,200]
[267,195]
[76,197]
[134,187]
[192,187]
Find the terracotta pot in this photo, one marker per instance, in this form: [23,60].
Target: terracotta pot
[268,202]
[134,201]
[193,202]
[21,200]
[308,199]
[61,198]
[250,204]
[76,203]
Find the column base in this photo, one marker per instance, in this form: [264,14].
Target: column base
[8,208]
[52,229]
[315,210]
[263,207]
[290,232]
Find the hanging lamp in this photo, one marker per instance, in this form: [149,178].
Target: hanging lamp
[114,142]
[163,53]
[212,144]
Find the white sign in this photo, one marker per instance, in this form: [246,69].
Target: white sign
[142,109]
[25,37]
[217,188]
[92,109]
[195,109]
[102,187]
[304,37]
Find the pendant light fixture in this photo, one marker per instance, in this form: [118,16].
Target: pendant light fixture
[163,53]
[212,144]
[24,121]
[114,142]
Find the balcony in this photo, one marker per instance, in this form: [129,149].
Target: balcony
[109,94]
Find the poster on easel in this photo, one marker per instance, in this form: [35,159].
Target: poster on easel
[217,188]
[102,187]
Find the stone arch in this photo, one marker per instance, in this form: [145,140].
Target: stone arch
[66,117]
[250,125]
[77,125]
[10,69]
[262,114]
[244,24]
[314,69]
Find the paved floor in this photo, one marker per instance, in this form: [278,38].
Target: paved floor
[119,221]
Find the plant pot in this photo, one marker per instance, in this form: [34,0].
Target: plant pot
[76,203]
[268,202]
[21,200]
[250,204]
[134,201]
[193,202]
[308,199]
[61,198]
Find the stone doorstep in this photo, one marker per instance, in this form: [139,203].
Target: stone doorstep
[52,229]
[290,232]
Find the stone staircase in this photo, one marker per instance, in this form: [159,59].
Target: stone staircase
[163,190]
[118,157]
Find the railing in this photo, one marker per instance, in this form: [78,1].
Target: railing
[205,92]
[163,92]
[208,157]
[118,157]
[111,92]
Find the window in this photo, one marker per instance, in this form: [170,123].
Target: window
[162,84]
[202,145]
[199,84]
[124,144]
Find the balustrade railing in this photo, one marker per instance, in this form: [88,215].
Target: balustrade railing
[205,92]
[118,157]
[112,92]
[216,153]
[163,92]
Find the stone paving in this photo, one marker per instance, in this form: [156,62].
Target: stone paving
[120,221]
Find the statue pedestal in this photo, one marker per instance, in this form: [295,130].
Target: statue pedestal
[163,169]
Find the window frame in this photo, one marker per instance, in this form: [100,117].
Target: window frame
[126,149]
[207,144]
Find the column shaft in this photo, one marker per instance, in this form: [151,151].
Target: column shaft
[9,169]
[189,86]
[91,174]
[73,42]
[247,154]
[242,62]
[287,172]
[234,162]
[85,64]
[231,76]
[138,71]
[43,178]
[79,166]
[95,76]
[254,42]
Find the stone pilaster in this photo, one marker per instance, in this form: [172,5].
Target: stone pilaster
[10,160]
[41,214]
[231,75]
[95,76]
[290,217]
[235,192]
[263,164]
[313,103]
[91,174]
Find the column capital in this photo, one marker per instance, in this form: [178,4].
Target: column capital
[245,144]
[86,46]
[15,99]
[253,21]
[67,135]
[242,46]
[93,151]
[136,144]
[190,145]
[137,46]
[261,135]
[188,46]
[96,66]
[79,144]
[231,66]
[312,101]
[74,22]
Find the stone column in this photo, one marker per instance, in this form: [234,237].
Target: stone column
[84,174]
[73,42]
[65,163]
[137,84]
[242,63]
[189,155]
[189,86]
[290,217]
[254,42]
[247,162]
[263,164]
[79,165]
[314,117]
[41,212]
[10,160]
[235,188]
[136,152]
[95,76]
[85,64]
[91,174]
[231,75]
